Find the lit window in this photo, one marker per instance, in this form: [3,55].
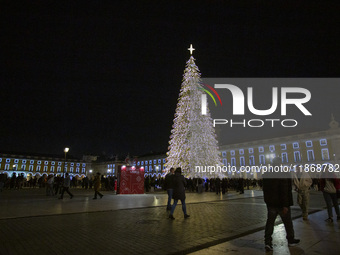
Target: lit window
[232,153]
[242,161]
[251,150]
[271,148]
[52,163]
[261,149]
[164,161]
[45,168]
[283,147]
[225,161]
[325,154]
[142,163]
[251,160]
[296,145]
[77,170]
[241,151]
[310,155]
[138,163]
[233,162]
[23,161]
[72,164]
[84,165]
[31,161]
[59,163]
[39,162]
[52,168]
[8,160]
[30,168]
[284,157]
[297,156]
[146,168]
[224,154]
[323,142]
[159,161]
[16,160]
[309,144]
[262,159]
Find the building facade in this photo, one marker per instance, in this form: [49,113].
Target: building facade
[38,165]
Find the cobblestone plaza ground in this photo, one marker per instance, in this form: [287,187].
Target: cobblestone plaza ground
[32,223]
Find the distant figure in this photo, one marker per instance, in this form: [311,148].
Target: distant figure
[66,186]
[218,185]
[96,183]
[179,193]
[49,186]
[302,183]
[277,192]
[169,186]
[329,184]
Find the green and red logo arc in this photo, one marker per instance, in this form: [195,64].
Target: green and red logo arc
[209,93]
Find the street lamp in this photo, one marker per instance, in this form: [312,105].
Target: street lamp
[66,151]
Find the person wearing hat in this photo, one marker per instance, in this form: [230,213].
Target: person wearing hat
[179,184]
[96,183]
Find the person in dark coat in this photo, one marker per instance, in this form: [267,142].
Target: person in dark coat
[168,185]
[277,192]
[179,184]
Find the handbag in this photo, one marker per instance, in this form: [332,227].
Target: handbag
[329,187]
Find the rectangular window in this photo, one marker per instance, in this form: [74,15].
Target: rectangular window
[59,169]
[46,162]
[262,159]
[7,167]
[283,147]
[284,157]
[310,155]
[16,160]
[232,153]
[30,168]
[164,160]
[31,161]
[323,142]
[224,154]
[271,148]
[241,151]
[251,150]
[38,168]
[71,169]
[261,149]
[296,145]
[309,144]
[45,168]
[154,161]
[233,162]
[325,154]
[297,156]
[225,161]
[52,169]
[23,167]
[83,170]
[252,160]
[242,161]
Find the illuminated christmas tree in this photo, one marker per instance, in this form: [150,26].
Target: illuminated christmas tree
[193,141]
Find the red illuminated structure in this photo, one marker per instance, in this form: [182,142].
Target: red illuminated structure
[130,180]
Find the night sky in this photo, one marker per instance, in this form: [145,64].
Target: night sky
[104,77]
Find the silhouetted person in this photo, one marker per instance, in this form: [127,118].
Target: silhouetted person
[66,186]
[179,193]
[96,183]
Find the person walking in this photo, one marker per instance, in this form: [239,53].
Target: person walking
[179,183]
[168,185]
[96,183]
[66,186]
[302,183]
[329,184]
[49,185]
[277,192]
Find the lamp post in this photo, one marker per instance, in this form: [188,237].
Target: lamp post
[66,151]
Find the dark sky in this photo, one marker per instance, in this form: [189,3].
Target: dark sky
[104,76]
